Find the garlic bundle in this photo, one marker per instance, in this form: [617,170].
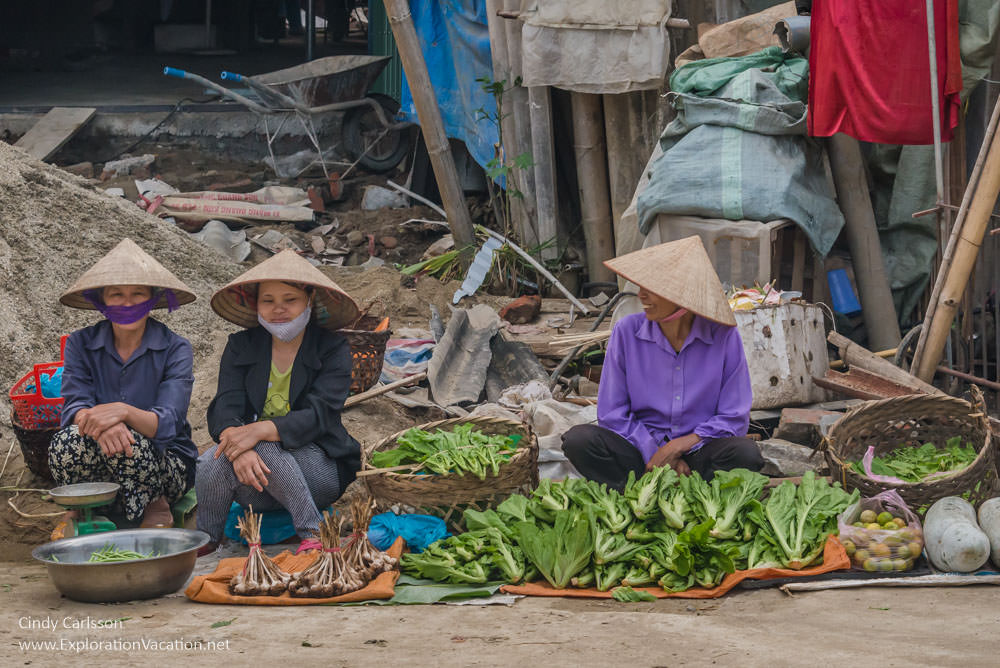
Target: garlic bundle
[260,576]
[362,556]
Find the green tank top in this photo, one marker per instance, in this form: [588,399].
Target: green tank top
[276,402]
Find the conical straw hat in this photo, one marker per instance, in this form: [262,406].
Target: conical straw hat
[126,264]
[332,307]
[681,272]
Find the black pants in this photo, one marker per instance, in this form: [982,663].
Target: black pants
[602,455]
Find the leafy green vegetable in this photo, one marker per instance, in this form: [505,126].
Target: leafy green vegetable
[561,551]
[628,595]
[921,463]
[796,519]
[579,533]
[724,499]
[462,450]
[642,494]
[672,501]
[609,575]
[515,507]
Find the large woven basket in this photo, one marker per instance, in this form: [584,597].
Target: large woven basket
[34,446]
[448,495]
[911,421]
[367,352]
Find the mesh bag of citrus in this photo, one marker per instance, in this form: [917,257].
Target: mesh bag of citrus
[881,533]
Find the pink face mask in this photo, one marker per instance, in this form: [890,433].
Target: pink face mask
[679,313]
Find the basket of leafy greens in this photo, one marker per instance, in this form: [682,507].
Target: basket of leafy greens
[447,466]
[925,447]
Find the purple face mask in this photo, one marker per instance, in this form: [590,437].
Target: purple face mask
[126,315]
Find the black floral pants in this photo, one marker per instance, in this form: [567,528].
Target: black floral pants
[144,477]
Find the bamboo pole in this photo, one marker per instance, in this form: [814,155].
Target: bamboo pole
[382,389]
[592,181]
[544,156]
[968,238]
[431,124]
[956,230]
[877,307]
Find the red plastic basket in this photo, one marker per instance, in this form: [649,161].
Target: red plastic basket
[32,408]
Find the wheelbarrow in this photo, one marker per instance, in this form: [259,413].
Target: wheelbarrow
[336,83]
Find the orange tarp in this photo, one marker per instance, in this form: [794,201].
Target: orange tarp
[834,559]
[214,588]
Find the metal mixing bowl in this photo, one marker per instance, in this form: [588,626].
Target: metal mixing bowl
[91,582]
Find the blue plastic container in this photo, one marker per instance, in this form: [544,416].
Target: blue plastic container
[845,300]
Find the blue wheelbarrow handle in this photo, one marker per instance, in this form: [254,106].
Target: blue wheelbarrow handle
[231,76]
[222,90]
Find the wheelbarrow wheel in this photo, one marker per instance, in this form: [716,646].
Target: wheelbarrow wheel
[364,139]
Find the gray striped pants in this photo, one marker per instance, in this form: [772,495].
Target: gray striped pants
[301,480]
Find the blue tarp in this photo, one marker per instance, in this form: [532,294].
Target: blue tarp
[456,45]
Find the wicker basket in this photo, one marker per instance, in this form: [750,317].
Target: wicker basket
[911,421]
[34,446]
[448,495]
[367,351]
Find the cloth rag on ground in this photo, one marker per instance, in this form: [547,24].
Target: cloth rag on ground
[418,531]
[456,46]
[737,148]
[834,559]
[870,75]
[214,588]
[405,357]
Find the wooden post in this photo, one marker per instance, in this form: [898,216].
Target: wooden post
[630,139]
[524,178]
[592,181]
[967,241]
[544,156]
[502,72]
[877,308]
[431,124]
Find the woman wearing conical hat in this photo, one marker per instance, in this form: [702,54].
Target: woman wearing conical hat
[126,385]
[675,388]
[282,385]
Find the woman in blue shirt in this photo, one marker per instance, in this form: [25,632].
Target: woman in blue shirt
[126,385]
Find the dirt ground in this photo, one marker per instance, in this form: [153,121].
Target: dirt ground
[861,627]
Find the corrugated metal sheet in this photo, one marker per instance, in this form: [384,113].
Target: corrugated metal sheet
[381,42]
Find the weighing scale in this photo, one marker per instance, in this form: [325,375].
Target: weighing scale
[84,497]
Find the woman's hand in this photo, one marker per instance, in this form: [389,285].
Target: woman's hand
[97,420]
[234,441]
[672,452]
[250,470]
[116,440]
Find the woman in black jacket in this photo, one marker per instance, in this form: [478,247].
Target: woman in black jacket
[276,414]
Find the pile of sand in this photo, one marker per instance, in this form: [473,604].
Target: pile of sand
[53,226]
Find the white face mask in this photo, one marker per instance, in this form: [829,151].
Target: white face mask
[286,331]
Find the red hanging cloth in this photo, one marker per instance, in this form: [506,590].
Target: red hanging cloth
[869,74]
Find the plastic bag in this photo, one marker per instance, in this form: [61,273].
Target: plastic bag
[418,531]
[881,533]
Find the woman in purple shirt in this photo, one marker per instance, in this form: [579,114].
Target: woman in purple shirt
[126,385]
[675,388]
